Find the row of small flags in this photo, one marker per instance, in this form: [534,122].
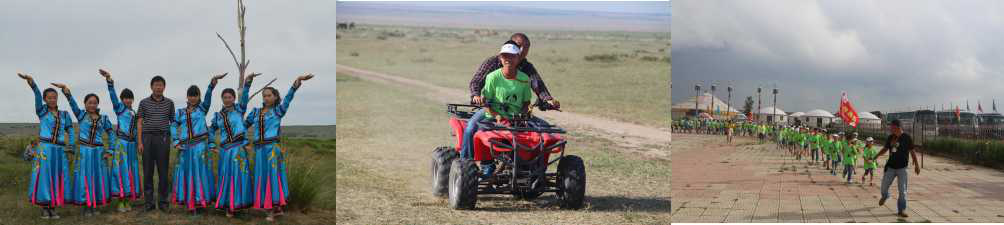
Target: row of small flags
[847,113]
[850,116]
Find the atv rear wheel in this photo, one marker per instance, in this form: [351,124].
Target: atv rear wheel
[442,158]
[571,182]
[463,192]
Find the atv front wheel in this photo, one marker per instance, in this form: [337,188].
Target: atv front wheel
[442,158]
[571,182]
[463,192]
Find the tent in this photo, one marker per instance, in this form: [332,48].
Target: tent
[721,110]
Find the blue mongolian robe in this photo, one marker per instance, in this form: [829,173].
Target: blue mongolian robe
[50,171]
[194,183]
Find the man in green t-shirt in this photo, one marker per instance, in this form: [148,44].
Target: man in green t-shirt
[507,94]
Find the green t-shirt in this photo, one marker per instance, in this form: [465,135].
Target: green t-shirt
[838,147]
[850,154]
[868,154]
[827,146]
[507,96]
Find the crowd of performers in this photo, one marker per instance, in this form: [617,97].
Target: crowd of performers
[106,151]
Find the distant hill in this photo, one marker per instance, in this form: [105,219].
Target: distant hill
[319,131]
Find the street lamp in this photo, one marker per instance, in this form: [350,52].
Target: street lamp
[775,105]
[712,109]
[728,106]
[697,100]
[758,90]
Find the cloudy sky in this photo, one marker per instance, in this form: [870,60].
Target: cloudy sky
[67,41]
[578,16]
[888,55]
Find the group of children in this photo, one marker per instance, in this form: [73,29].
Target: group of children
[105,156]
[831,150]
[803,143]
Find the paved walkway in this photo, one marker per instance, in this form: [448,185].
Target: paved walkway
[744,182]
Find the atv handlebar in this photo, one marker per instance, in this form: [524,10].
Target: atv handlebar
[522,122]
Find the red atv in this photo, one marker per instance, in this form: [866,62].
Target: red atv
[521,152]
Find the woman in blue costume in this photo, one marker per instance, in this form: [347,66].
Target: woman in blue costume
[194,183]
[50,170]
[234,180]
[125,176]
[270,186]
[91,179]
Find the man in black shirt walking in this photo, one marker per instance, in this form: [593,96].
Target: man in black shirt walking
[899,146]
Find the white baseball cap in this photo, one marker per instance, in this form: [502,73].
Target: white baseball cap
[509,48]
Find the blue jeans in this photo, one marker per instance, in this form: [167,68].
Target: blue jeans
[815,154]
[887,177]
[848,172]
[467,146]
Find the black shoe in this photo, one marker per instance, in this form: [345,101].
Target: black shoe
[52,214]
[882,201]
[45,214]
[149,208]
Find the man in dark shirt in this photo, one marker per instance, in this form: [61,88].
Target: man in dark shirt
[154,121]
[493,63]
[900,146]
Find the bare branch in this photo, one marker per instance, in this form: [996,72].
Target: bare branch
[262,88]
[229,50]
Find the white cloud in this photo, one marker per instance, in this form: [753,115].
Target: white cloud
[67,41]
[886,54]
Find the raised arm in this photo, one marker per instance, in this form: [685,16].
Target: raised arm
[39,106]
[242,103]
[116,102]
[73,102]
[292,90]
[207,100]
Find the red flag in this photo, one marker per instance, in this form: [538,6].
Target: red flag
[847,112]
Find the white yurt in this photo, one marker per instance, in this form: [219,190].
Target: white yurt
[817,118]
[769,114]
[795,117]
[704,105]
[869,120]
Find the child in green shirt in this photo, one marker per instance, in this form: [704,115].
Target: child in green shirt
[850,156]
[870,164]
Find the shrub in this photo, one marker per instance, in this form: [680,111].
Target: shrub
[602,58]
[304,182]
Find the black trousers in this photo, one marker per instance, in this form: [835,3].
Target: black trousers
[156,155]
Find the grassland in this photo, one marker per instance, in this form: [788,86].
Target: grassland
[387,133]
[309,173]
[617,75]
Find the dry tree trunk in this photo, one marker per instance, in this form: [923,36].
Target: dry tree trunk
[242,65]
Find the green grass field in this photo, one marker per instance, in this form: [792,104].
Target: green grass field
[307,170]
[618,75]
[387,134]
